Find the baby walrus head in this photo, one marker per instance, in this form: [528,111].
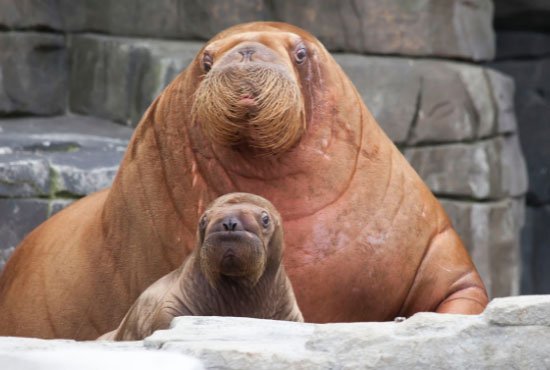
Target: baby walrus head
[240,238]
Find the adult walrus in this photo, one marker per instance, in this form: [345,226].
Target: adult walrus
[235,270]
[264,109]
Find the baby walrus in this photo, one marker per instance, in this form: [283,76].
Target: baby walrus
[235,270]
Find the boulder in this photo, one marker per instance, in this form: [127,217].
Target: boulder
[33,73]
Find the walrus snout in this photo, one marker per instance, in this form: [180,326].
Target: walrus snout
[251,98]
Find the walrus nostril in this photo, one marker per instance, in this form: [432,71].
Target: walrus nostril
[247,53]
[230,224]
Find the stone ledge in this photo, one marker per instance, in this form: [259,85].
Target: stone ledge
[68,155]
[513,332]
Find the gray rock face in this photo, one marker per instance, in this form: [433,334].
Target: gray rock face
[522,44]
[118,78]
[72,155]
[20,216]
[490,231]
[25,14]
[57,159]
[488,169]
[533,109]
[456,28]
[184,19]
[33,73]
[536,251]
[522,14]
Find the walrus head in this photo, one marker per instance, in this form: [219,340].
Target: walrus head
[239,237]
[250,93]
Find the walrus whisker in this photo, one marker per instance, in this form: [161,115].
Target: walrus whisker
[272,125]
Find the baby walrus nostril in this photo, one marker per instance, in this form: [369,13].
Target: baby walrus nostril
[230,223]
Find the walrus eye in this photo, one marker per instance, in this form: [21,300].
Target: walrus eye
[265,219]
[207,62]
[300,54]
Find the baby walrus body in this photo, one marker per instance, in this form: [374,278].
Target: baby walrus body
[235,270]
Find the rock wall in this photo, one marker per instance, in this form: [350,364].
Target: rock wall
[413,62]
[523,52]
[501,338]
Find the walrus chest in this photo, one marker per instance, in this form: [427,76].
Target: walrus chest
[352,273]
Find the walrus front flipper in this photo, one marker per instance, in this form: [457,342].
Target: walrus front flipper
[148,313]
[446,281]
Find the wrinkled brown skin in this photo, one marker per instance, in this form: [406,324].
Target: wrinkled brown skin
[192,291]
[366,240]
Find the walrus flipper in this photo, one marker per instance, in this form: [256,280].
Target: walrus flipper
[459,289]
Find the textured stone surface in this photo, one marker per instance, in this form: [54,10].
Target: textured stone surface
[522,44]
[36,354]
[63,155]
[118,78]
[533,112]
[526,310]
[426,340]
[488,169]
[19,216]
[522,14]
[536,251]
[454,28]
[33,73]
[512,333]
[24,14]
[52,158]
[184,19]
[491,232]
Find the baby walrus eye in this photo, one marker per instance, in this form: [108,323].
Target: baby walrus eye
[265,219]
